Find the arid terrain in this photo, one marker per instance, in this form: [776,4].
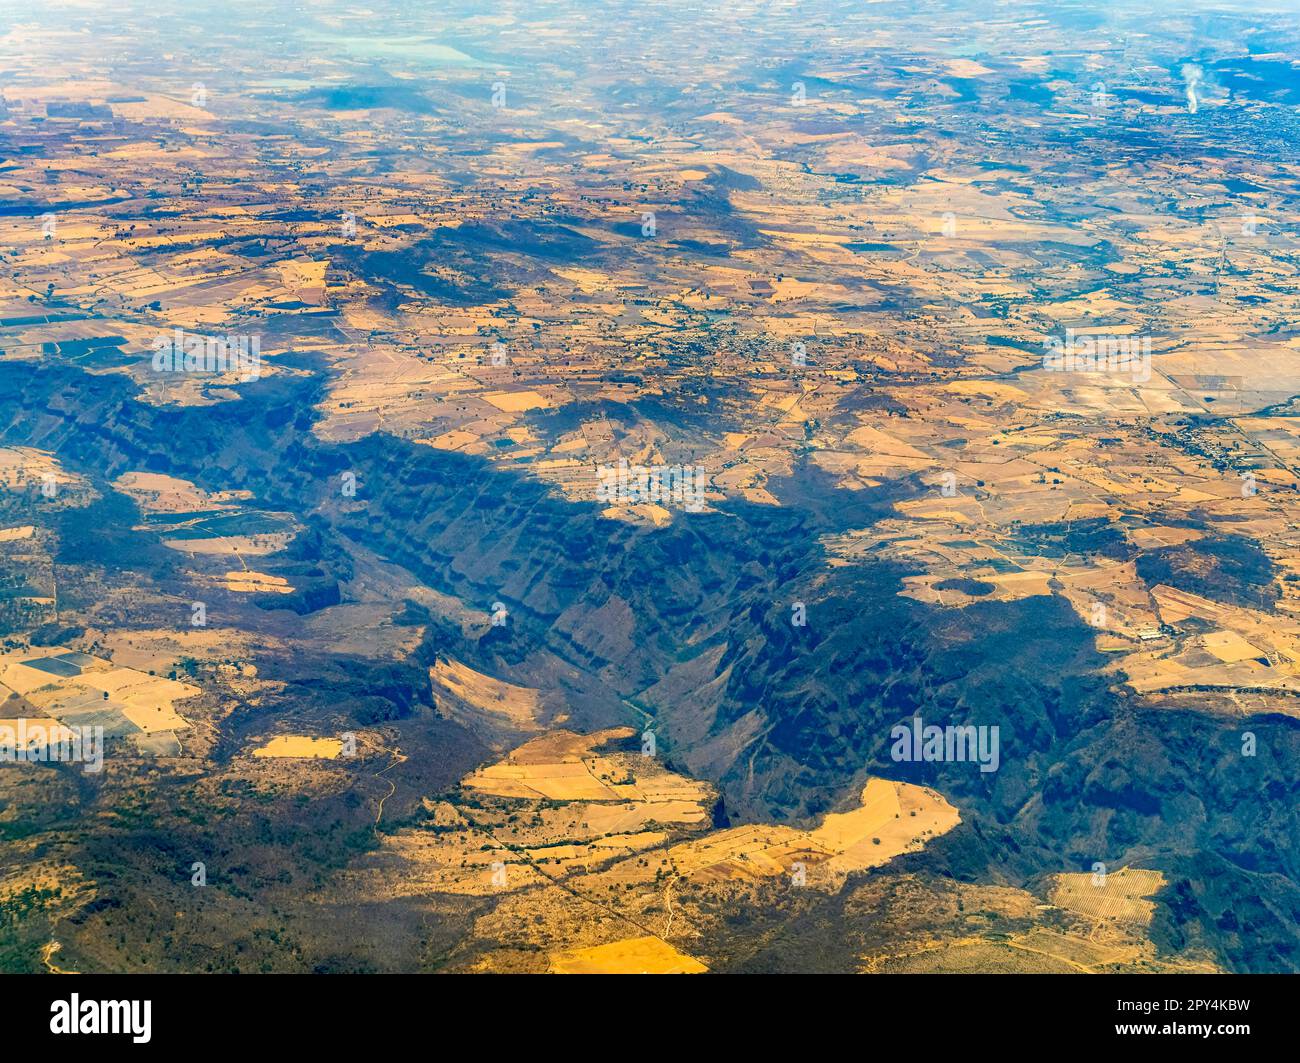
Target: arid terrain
[510,491]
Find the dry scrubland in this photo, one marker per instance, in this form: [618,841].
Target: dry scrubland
[625,844]
[836,296]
